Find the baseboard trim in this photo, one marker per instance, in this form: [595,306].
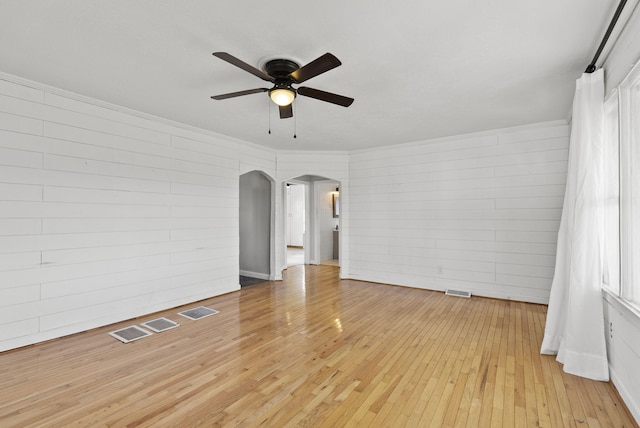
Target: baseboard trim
[258,275]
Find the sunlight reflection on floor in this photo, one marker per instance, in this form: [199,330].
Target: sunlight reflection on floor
[295,256]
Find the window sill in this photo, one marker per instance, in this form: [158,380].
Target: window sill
[629,311]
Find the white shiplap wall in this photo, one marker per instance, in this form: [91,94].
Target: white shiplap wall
[107,214]
[257,158]
[622,325]
[478,212]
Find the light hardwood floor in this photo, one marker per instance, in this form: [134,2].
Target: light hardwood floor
[311,351]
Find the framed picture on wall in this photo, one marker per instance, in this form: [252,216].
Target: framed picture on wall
[336,205]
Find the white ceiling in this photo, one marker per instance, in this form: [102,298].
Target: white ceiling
[417,69]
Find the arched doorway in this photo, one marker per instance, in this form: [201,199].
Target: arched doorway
[256,217]
[321,222]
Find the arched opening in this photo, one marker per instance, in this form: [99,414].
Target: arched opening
[256,217]
[321,221]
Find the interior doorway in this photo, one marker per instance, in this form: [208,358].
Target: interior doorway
[295,228]
[255,228]
[312,217]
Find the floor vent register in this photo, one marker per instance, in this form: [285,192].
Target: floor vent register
[160,324]
[458,293]
[198,313]
[129,334]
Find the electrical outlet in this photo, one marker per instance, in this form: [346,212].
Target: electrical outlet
[439,269]
[611,329]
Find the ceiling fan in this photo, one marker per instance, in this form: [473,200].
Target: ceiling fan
[283,73]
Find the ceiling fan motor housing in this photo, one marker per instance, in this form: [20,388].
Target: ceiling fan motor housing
[281,68]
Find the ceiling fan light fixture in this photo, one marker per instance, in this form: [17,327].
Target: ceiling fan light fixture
[282,96]
[284,73]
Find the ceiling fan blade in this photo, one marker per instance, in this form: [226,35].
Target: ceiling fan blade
[286,111]
[243,65]
[319,65]
[239,93]
[325,96]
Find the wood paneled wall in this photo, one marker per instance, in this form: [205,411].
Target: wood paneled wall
[478,213]
[107,214]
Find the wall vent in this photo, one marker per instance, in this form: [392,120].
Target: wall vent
[129,334]
[458,293]
[160,324]
[197,313]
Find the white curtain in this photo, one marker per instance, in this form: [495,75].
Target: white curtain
[575,323]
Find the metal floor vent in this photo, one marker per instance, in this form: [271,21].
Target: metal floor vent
[130,334]
[160,324]
[197,313]
[458,293]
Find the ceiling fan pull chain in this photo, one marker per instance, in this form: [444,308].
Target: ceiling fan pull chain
[295,122]
[269,108]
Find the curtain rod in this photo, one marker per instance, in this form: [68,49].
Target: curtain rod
[592,66]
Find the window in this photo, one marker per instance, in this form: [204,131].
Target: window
[611,196]
[629,106]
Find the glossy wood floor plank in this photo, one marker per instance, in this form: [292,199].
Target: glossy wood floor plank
[311,351]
